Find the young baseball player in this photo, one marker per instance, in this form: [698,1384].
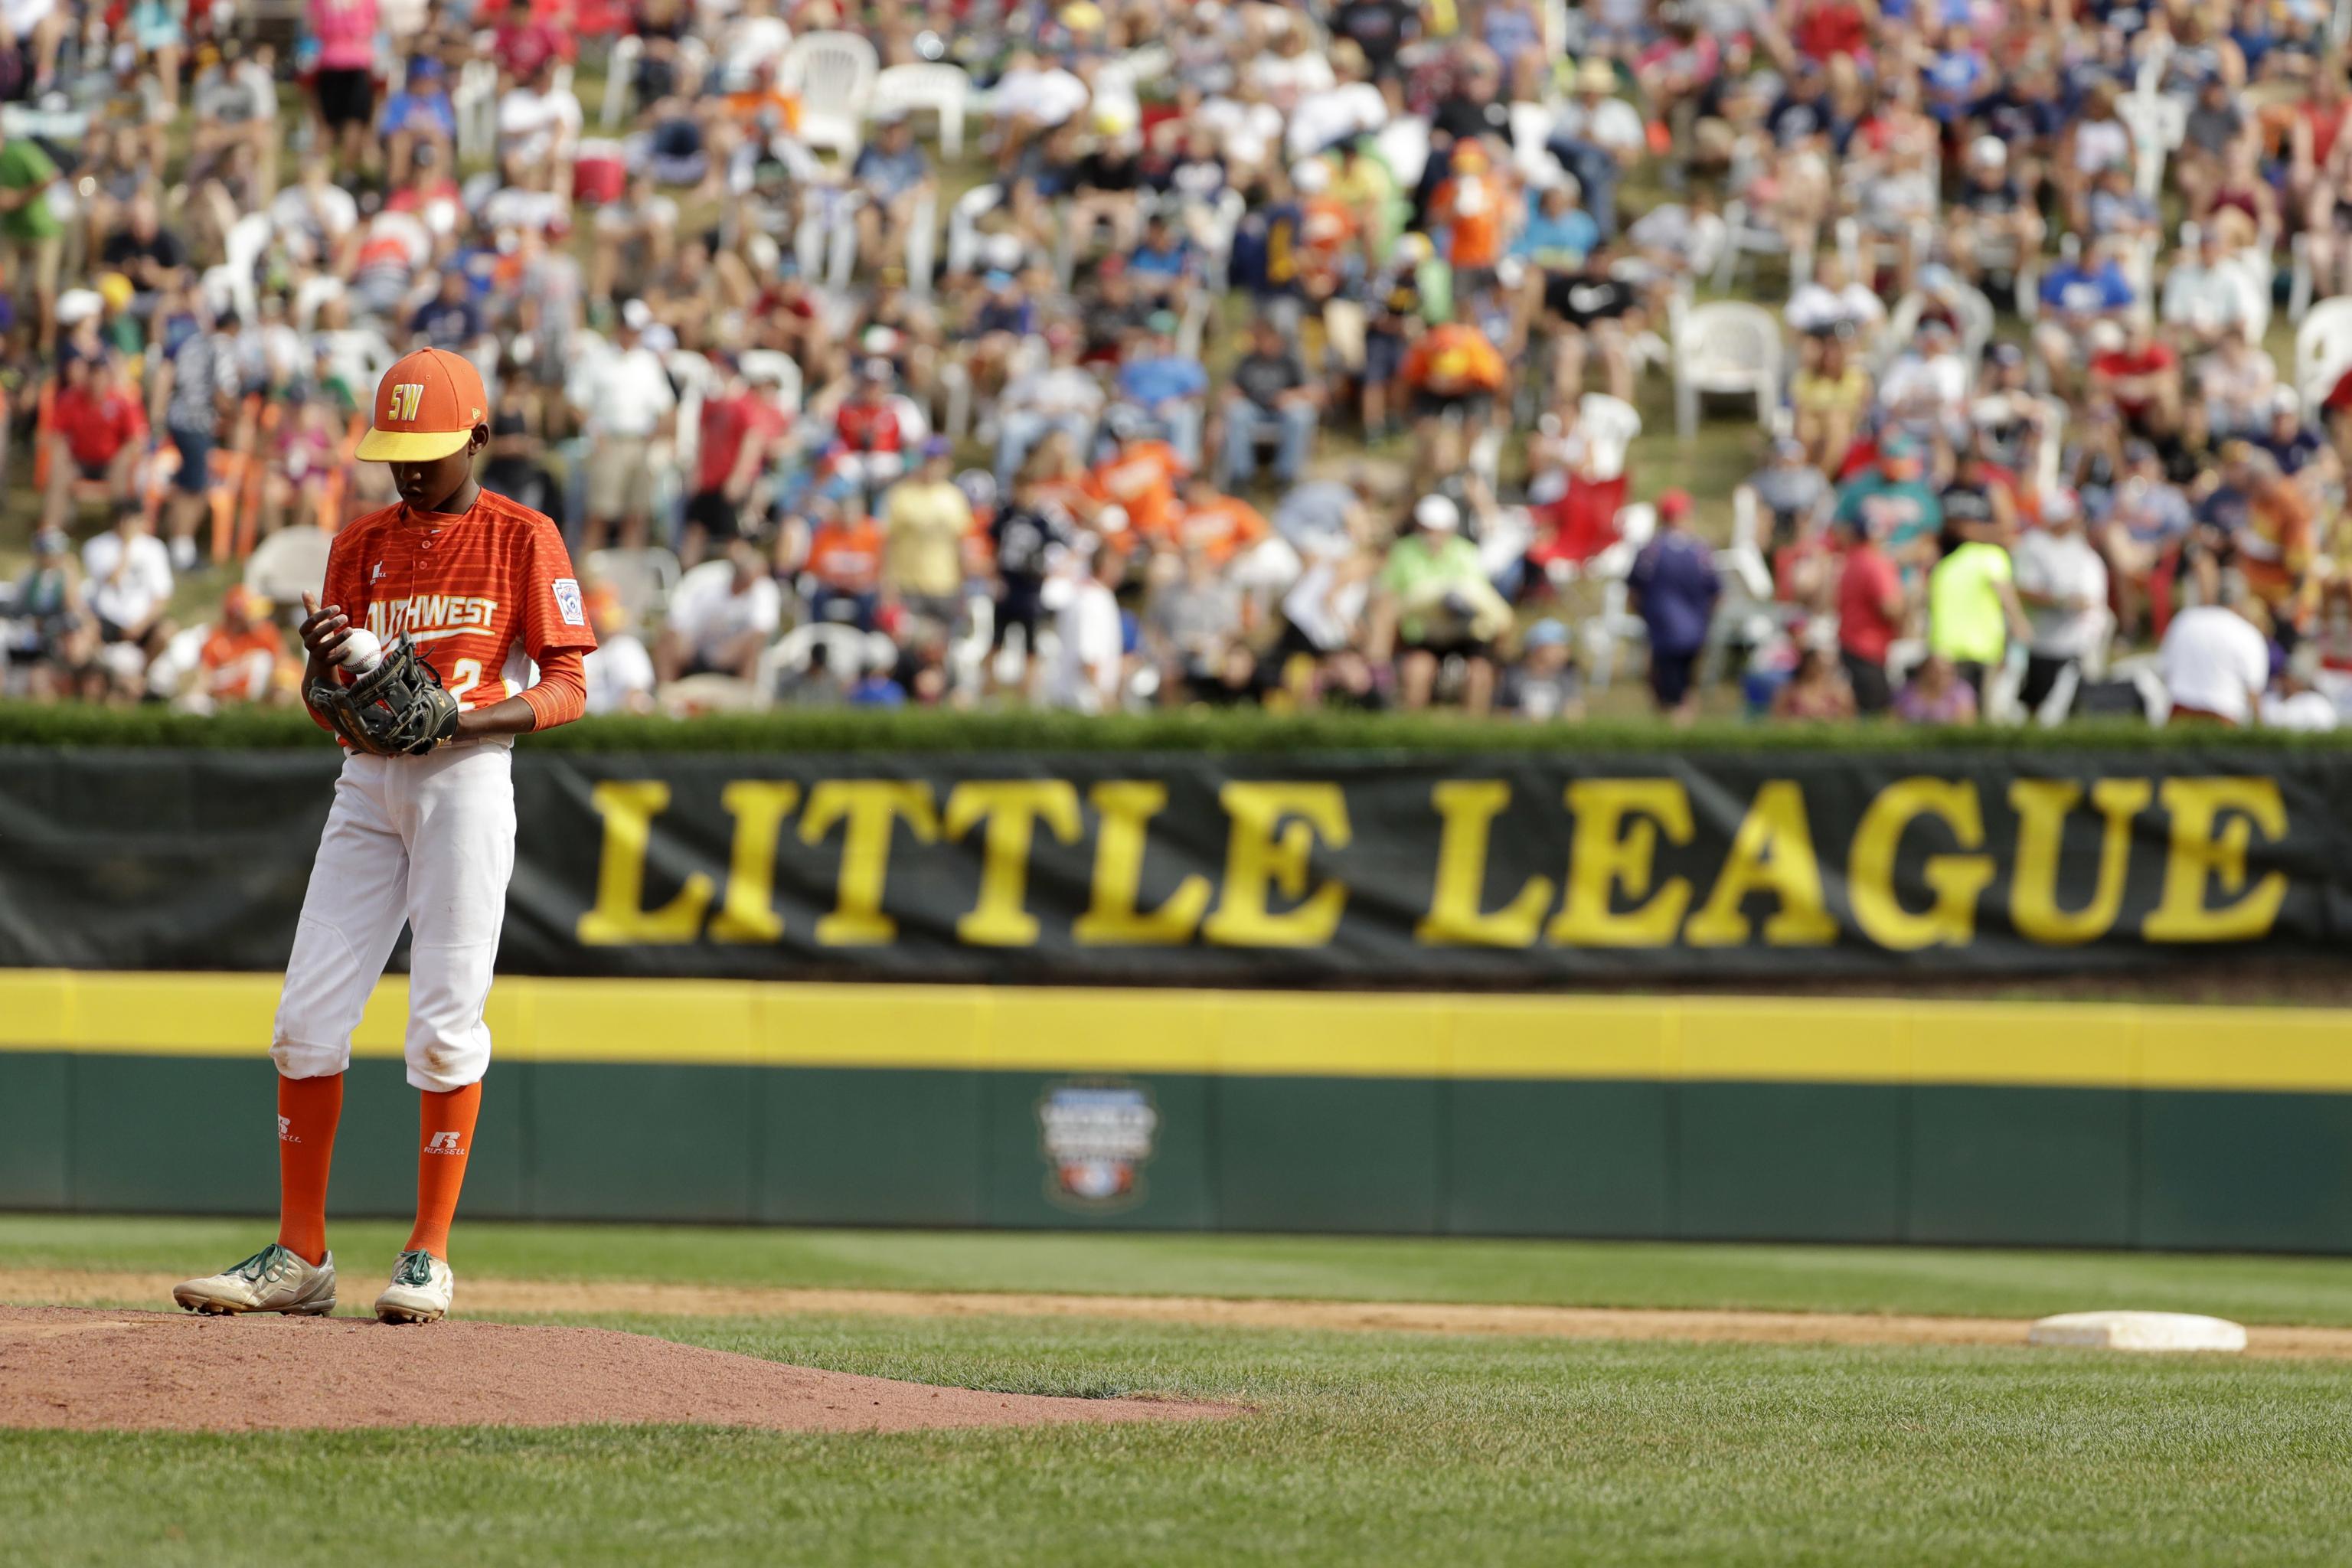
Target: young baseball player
[420,659]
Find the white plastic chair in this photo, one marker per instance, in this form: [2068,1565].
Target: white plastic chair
[620,72]
[963,225]
[1746,235]
[1403,144]
[1722,347]
[475,103]
[825,242]
[1975,325]
[834,73]
[2158,126]
[289,563]
[2323,349]
[774,365]
[642,580]
[942,88]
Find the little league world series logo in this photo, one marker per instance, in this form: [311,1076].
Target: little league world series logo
[1097,1138]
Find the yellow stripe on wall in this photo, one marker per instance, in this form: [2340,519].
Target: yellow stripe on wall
[1307,1034]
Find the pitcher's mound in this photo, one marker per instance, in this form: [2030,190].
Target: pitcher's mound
[161,1371]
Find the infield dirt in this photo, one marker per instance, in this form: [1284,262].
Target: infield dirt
[113,1371]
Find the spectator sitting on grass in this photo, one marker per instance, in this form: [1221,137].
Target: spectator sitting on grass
[1433,598]
[1935,695]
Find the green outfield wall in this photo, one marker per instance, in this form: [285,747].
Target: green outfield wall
[1713,1117]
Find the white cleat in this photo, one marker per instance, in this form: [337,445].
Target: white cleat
[272,1280]
[420,1290]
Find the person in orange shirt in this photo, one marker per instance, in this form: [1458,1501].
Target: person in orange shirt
[238,661]
[1220,526]
[845,557]
[1454,375]
[1140,477]
[1471,206]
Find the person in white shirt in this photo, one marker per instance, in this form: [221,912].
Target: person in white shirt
[2215,664]
[1929,380]
[129,573]
[539,131]
[1352,107]
[2207,296]
[628,403]
[618,670]
[721,618]
[1086,681]
[2063,581]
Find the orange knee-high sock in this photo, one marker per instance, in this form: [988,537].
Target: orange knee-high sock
[307,1109]
[446,1136]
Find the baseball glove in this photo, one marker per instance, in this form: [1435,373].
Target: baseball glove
[396,709]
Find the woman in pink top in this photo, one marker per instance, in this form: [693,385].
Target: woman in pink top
[342,89]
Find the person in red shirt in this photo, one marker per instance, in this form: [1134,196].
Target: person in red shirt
[870,438]
[100,431]
[738,431]
[484,590]
[1870,607]
[2142,375]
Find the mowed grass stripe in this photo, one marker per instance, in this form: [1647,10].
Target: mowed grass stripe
[1944,1283]
[1363,1449]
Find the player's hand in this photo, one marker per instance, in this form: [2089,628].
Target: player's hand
[324,630]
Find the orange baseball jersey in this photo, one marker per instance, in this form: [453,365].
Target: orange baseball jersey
[483,596]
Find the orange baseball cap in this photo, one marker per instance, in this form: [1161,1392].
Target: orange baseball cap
[426,407]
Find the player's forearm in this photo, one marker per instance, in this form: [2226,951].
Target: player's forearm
[513,716]
[559,696]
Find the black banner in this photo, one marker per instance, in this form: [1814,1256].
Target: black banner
[1365,870]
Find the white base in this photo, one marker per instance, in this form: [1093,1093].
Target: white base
[2137,1332]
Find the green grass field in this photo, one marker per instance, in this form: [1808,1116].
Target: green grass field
[1364,1447]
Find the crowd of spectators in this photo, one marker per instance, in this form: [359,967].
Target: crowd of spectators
[1115,353]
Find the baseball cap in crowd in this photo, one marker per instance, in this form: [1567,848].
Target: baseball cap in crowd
[1162,323]
[1595,75]
[2059,506]
[938,446]
[1789,449]
[1437,514]
[1673,504]
[1546,633]
[425,408]
[637,315]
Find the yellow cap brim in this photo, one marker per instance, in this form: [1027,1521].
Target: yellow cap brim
[410,446]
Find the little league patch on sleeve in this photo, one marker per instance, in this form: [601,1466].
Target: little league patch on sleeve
[567,600]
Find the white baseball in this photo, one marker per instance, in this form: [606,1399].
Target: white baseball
[362,652]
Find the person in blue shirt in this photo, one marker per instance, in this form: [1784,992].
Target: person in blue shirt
[1674,588]
[2076,295]
[450,320]
[1169,387]
[1558,234]
[894,176]
[1163,261]
[419,115]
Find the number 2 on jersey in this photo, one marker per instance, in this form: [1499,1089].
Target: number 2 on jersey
[464,676]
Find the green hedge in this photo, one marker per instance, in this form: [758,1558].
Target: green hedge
[1241,731]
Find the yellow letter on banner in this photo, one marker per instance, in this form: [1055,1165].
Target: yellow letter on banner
[748,912]
[1615,846]
[1259,860]
[1958,879]
[620,918]
[1125,808]
[2043,807]
[1469,807]
[1012,808]
[2200,855]
[870,807]
[1772,853]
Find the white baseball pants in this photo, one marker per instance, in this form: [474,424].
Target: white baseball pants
[429,841]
